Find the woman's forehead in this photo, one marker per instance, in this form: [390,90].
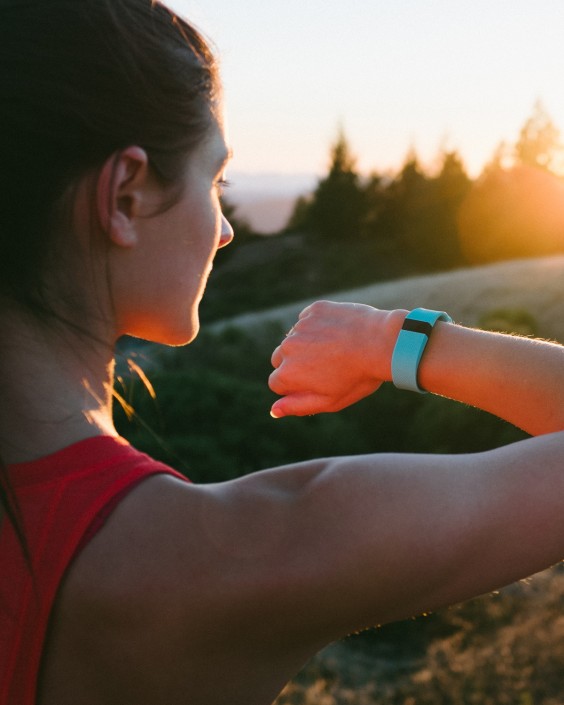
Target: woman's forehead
[216,147]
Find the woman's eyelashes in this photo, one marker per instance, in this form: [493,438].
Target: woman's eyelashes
[221,185]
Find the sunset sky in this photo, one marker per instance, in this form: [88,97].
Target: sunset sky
[428,74]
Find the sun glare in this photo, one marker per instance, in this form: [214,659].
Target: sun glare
[513,213]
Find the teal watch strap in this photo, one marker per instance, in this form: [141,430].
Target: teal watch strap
[410,345]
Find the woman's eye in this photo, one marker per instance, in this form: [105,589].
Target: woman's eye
[221,185]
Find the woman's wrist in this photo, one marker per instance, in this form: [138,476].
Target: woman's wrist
[411,345]
[387,327]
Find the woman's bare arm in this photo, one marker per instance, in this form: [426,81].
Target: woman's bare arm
[350,542]
[265,570]
[339,353]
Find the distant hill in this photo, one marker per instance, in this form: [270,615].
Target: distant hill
[266,200]
[535,287]
[264,214]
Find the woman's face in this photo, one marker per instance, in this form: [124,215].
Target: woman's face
[179,245]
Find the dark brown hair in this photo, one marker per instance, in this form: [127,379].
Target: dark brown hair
[80,80]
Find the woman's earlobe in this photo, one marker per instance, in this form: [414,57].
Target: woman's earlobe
[121,230]
[119,194]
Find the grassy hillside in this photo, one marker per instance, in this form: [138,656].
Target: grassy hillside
[534,286]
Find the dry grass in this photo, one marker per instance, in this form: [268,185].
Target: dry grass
[535,286]
[503,649]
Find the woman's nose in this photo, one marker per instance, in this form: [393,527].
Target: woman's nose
[226,232]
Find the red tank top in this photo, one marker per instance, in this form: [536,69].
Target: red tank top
[65,499]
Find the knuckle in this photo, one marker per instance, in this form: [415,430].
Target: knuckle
[276,384]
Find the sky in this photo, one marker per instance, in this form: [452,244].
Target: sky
[428,75]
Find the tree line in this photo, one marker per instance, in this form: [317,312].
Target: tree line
[420,212]
[355,230]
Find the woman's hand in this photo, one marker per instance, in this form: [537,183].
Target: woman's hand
[336,354]
[339,353]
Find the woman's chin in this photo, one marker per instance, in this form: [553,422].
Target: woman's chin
[179,338]
[174,335]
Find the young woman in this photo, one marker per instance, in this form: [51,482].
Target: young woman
[121,582]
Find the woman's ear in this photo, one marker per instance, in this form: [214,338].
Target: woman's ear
[120,189]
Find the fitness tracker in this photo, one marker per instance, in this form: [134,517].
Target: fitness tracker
[410,345]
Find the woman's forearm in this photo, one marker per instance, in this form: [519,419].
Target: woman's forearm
[518,379]
[339,353]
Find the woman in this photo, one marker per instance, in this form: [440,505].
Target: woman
[121,582]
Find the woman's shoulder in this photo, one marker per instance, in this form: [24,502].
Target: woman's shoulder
[117,610]
[150,595]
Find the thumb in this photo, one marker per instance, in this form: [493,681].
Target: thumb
[299,405]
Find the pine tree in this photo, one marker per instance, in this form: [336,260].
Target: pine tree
[338,207]
[539,143]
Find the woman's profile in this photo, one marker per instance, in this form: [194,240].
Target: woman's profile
[121,581]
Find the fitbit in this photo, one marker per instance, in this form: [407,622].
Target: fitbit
[410,345]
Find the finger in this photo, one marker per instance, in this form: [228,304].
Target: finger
[316,307]
[276,357]
[299,405]
[305,312]
[279,384]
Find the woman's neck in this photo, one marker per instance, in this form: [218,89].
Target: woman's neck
[55,389]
